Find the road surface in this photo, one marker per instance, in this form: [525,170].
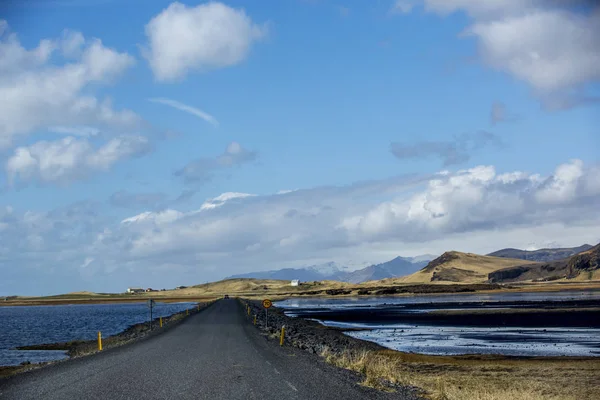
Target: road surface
[216,354]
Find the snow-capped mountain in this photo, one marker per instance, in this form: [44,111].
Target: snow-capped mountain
[399,266]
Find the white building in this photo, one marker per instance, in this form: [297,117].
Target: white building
[295,282]
[135,290]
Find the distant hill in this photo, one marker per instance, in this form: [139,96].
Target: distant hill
[397,267]
[457,267]
[541,255]
[581,266]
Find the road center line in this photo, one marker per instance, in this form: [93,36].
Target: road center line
[292,386]
[268,363]
[277,372]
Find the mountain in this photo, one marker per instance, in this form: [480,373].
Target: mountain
[454,266]
[326,271]
[399,266]
[581,266]
[541,255]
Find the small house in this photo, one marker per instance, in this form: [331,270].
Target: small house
[295,282]
[135,290]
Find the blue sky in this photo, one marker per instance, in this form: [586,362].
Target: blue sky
[473,126]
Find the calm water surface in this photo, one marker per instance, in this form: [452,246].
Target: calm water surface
[29,325]
[432,339]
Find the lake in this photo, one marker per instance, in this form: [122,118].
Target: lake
[30,325]
[402,323]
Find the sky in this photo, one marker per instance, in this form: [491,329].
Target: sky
[155,143]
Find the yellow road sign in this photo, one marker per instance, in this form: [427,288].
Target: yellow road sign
[267,303]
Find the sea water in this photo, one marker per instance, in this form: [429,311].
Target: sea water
[31,325]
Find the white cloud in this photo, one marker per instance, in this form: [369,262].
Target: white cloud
[476,209]
[549,45]
[158,218]
[552,50]
[222,199]
[211,35]
[188,109]
[479,198]
[69,159]
[37,93]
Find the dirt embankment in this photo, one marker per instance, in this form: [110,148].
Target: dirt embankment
[78,348]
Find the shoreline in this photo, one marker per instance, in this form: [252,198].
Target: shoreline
[358,290]
[82,348]
[470,376]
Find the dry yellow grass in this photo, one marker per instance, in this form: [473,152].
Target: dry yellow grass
[463,268]
[476,377]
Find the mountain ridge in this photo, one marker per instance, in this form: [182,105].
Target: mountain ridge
[396,267]
[581,266]
[541,255]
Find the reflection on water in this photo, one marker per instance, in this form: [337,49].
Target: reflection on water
[432,339]
[30,325]
[445,298]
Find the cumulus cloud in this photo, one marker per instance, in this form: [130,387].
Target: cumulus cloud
[451,152]
[480,198]
[203,168]
[213,35]
[37,92]
[478,209]
[188,109]
[70,159]
[549,45]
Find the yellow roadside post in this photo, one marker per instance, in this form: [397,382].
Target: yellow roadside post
[248,310]
[99,341]
[282,335]
[198,305]
[254,319]
[160,322]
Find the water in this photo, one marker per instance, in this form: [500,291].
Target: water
[429,338]
[352,302]
[30,325]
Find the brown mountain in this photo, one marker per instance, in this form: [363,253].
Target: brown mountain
[541,255]
[582,266]
[454,267]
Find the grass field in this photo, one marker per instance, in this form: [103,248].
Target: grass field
[477,377]
[279,289]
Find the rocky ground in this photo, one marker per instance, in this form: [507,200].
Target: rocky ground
[307,335]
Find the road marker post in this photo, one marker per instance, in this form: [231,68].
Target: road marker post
[99,341]
[198,305]
[150,305]
[187,311]
[254,319]
[160,321]
[266,303]
[282,335]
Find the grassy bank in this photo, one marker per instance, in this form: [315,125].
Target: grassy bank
[476,377]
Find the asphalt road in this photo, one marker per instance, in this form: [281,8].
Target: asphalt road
[216,354]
